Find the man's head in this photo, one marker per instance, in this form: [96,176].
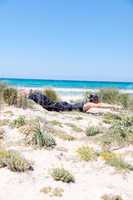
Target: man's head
[94,98]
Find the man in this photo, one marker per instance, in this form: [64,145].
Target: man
[95,103]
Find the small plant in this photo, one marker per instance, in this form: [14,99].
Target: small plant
[4,155]
[49,92]
[60,174]
[111,197]
[41,138]
[120,132]
[74,127]
[57,192]
[14,161]
[92,131]
[107,155]
[55,123]
[86,153]
[17,163]
[10,96]
[64,136]
[116,161]
[17,123]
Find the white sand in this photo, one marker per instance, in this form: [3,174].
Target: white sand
[93,179]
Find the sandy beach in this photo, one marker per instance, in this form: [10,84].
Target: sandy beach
[93,178]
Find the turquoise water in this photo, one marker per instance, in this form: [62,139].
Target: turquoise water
[67,83]
[67,87]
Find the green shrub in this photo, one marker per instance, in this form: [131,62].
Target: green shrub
[10,96]
[92,131]
[14,161]
[120,133]
[41,138]
[114,96]
[60,174]
[86,153]
[51,93]
[17,123]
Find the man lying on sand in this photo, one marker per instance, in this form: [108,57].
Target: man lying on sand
[95,103]
[49,105]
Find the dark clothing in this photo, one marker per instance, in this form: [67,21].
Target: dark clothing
[49,105]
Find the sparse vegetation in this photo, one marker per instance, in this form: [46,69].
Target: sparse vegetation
[24,102]
[57,192]
[17,123]
[64,136]
[86,153]
[110,96]
[109,118]
[14,161]
[10,96]
[55,123]
[40,138]
[74,127]
[60,174]
[51,93]
[116,161]
[111,197]
[114,96]
[92,131]
[120,132]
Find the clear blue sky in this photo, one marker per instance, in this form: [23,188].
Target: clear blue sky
[67,39]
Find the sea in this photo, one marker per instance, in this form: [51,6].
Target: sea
[68,87]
